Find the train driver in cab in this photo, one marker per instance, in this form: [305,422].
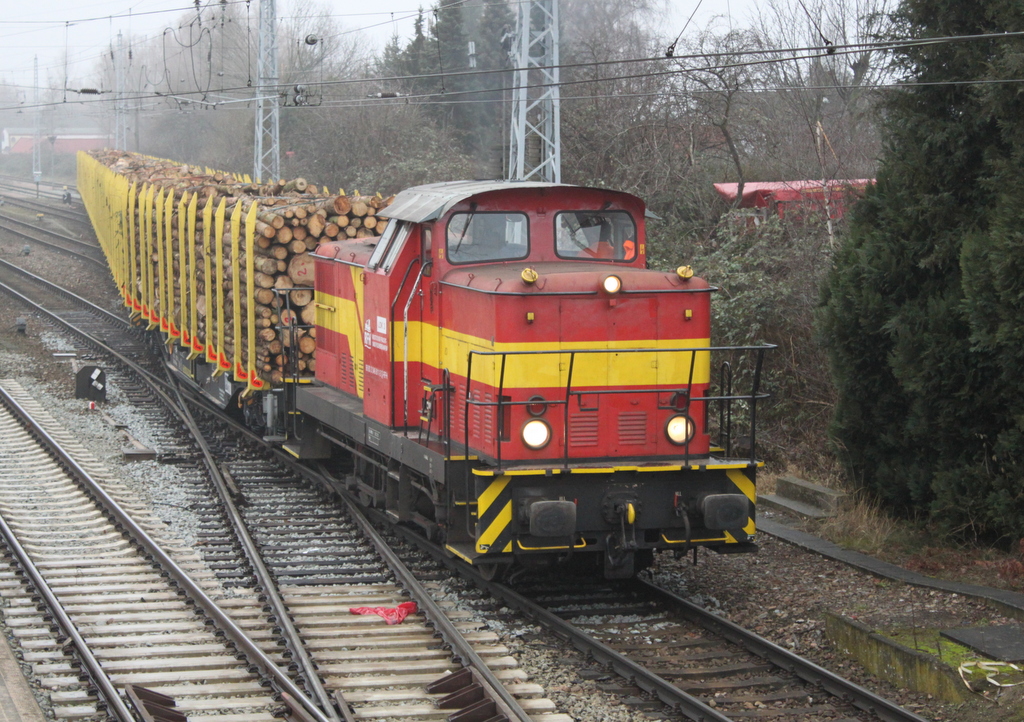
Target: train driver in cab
[588,235]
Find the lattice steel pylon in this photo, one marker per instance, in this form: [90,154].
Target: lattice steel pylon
[535,139]
[37,135]
[120,106]
[267,148]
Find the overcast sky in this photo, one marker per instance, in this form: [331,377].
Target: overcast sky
[82,30]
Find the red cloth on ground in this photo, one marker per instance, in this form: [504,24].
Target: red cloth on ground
[392,615]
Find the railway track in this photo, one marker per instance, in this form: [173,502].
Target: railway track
[49,209]
[48,204]
[47,189]
[131,613]
[358,660]
[677,657]
[86,251]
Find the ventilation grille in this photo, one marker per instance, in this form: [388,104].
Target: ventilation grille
[488,414]
[633,427]
[583,429]
[348,377]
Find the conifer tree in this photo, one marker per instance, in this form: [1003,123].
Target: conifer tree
[921,311]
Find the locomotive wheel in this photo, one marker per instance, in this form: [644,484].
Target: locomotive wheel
[492,572]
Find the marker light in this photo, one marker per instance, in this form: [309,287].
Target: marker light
[529,276]
[611,284]
[536,433]
[684,272]
[679,429]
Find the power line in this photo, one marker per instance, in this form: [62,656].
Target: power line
[812,53]
[113,16]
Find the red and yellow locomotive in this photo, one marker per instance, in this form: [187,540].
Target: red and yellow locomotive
[502,369]
[498,367]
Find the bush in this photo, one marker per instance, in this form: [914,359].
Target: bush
[768,276]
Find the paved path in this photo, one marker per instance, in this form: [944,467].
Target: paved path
[1012,603]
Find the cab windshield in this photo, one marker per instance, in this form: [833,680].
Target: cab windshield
[475,237]
[589,235]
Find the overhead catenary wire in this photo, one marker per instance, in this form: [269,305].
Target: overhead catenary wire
[789,55]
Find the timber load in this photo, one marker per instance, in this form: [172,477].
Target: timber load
[221,264]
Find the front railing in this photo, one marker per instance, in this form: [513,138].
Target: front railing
[680,397]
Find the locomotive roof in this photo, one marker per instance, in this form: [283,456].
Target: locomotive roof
[430,202]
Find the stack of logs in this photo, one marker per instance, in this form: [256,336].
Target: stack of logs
[292,220]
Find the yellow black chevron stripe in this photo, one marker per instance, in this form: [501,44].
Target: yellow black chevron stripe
[746,485]
[494,517]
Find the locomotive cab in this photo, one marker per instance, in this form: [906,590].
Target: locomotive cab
[529,389]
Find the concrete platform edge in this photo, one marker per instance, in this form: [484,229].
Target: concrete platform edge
[17,701]
[901,665]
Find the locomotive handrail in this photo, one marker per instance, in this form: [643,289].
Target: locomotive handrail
[644,291]
[405,327]
[753,397]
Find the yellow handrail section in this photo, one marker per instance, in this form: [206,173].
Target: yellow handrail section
[236,295]
[218,233]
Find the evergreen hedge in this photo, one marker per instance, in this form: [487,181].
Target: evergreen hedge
[923,311]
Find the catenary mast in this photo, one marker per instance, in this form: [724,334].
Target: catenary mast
[535,137]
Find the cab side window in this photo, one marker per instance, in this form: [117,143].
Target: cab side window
[479,237]
[390,245]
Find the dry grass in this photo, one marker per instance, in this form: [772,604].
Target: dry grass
[863,526]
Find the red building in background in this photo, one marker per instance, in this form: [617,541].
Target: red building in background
[796,200]
[70,140]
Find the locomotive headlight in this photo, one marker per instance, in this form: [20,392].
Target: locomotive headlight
[679,429]
[611,284]
[536,433]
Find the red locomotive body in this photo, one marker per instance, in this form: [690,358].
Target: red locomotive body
[499,367]
[527,386]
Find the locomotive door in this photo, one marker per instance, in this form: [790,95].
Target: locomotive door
[432,402]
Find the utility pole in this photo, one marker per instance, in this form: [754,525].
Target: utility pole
[120,111]
[535,151]
[37,138]
[267,148]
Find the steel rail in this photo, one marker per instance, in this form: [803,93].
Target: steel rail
[663,689]
[247,646]
[47,231]
[264,578]
[111,698]
[505,703]
[793,663]
[65,213]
